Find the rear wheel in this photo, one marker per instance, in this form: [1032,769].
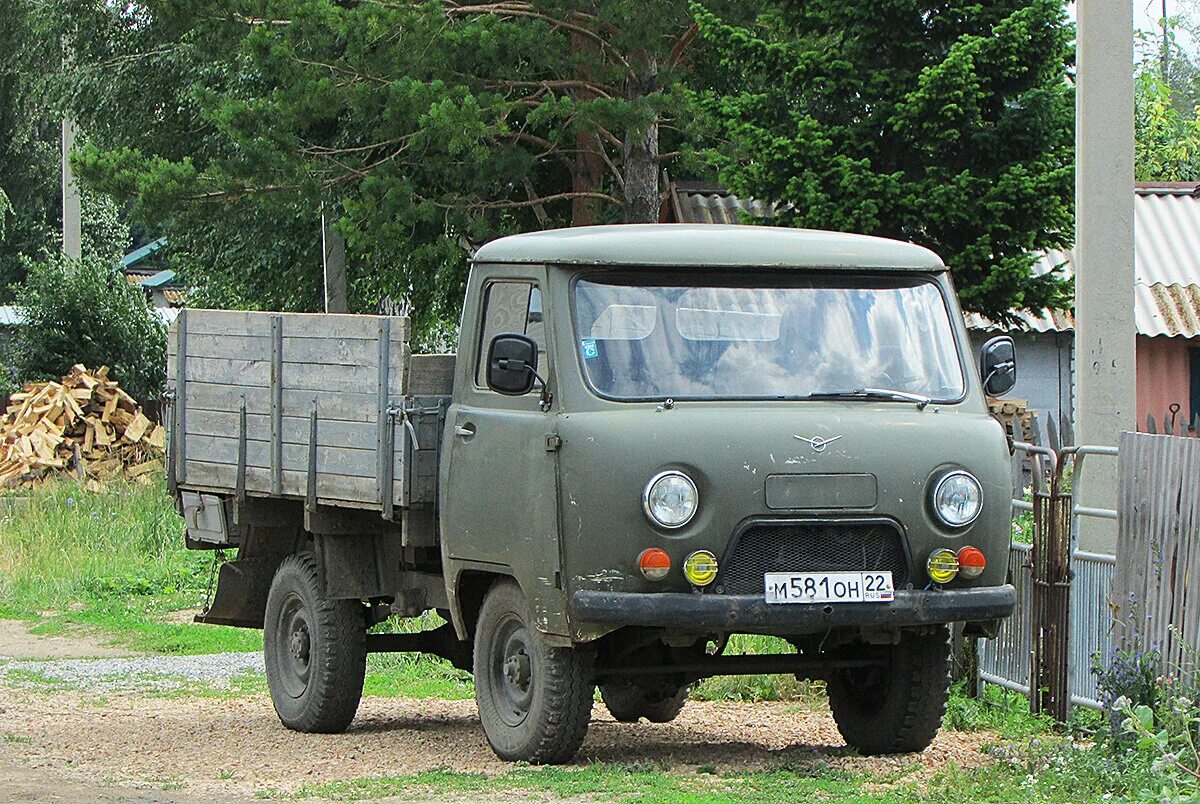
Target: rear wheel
[897,706]
[315,650]
[535,700]
[627,702]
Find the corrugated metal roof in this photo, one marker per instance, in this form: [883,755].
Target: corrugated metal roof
[1166,255]
[159,280]
[696,203]
[138,254]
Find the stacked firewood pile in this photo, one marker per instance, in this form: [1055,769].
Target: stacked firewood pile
[85,425]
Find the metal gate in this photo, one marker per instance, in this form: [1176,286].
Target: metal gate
[1022,646]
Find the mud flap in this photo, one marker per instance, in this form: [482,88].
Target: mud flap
[242,588]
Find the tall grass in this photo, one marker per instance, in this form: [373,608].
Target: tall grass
[61,544]
[111,560]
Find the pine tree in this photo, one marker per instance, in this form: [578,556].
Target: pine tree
[949,124]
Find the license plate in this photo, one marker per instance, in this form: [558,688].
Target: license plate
[829,587]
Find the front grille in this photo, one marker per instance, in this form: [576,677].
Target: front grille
[811,547]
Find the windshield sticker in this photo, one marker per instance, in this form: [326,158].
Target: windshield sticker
[590,350]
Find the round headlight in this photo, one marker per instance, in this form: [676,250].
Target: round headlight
[670,499]
[958,499]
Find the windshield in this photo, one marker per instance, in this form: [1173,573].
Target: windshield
[807,335]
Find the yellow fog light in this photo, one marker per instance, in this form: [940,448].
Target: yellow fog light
[942,565]
[700,568]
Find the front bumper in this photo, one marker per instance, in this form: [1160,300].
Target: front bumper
[752,614]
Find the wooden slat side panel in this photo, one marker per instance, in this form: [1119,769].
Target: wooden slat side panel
[224,322]
[330,460]
[431,375]
[296,376]
[333,404]
[331,432]
[335,490]
[326,350]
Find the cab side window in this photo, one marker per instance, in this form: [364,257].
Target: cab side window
[511,307]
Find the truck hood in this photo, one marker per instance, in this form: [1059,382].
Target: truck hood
[770,461]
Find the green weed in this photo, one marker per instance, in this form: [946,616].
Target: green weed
[996,709]
[111,561]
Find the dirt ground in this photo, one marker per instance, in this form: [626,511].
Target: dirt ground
[17,643]
[130,747]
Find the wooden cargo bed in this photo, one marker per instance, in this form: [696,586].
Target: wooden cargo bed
[330,408]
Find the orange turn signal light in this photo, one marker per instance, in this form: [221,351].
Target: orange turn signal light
[654,563]
[971,562]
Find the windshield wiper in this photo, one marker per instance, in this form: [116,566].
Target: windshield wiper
[874,393]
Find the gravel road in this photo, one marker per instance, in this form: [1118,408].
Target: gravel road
[155,673]
[102,729]
[201,746]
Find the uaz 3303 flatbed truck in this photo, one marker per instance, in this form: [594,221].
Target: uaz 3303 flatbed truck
[651,438]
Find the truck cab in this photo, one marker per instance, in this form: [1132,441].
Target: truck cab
[660,436]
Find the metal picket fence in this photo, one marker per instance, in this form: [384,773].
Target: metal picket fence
[1005,660]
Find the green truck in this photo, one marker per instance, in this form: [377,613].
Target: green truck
[652,438]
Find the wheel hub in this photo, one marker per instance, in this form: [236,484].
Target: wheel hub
[292,648]
[516,669]
[512,673]
[299,644]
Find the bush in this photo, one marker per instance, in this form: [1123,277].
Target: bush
[86,312]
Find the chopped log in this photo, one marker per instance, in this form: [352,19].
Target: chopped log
[84,424]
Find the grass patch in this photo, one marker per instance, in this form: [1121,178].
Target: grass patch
[759,687]
[644,782]
[996,709]
[111,562]
[1082,774]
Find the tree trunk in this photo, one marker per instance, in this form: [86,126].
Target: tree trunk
[640,164]
[587,175]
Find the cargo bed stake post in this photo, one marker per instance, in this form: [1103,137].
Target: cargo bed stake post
[241,459]
[277,405]
[310,495]
[384,421]
[179,458]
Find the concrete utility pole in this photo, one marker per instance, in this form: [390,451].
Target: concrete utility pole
[1104,277]
[333,249]
[72,226]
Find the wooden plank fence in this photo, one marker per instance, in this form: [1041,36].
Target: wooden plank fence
[1156,588]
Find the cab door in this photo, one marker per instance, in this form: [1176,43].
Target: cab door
[499,501]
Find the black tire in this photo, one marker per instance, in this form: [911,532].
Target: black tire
[629,702]
[534,700]
[896,708]
[315,650]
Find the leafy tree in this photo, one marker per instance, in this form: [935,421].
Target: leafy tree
[949,124]
[424,127]
[29,145]
[86,312]
[1167,140]
[31,158]
[1166,96]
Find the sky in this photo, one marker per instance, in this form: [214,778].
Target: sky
[1147,15]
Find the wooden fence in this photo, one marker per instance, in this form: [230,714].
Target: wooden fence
[1156,588]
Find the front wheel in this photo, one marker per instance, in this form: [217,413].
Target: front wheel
[315,650]
[535,700]
[896,706]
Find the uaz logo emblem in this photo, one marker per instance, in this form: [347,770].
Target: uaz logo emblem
[818,444]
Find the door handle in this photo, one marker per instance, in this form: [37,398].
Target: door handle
[465,430]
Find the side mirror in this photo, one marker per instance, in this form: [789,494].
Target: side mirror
[998,365]
[512,364]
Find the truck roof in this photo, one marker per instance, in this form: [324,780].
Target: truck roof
[700,245]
